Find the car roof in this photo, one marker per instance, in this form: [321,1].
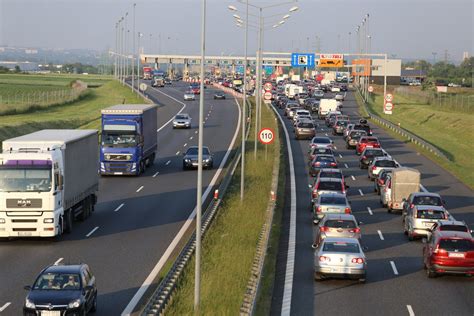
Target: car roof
[75,268]
[429,207]
[415,194]
[197,147]
[340,216]
[319,137]
[383,158]
[330,170]
[448,234]
[451,222]
[325,179]
[341,239]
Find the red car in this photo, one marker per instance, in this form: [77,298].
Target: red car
[367,141]
[449,252]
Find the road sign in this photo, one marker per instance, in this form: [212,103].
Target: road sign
[143,86]
[268,70]
[302,60]
[331,63]
[388,97]
[371,89]
[266,136]
[388,106]
[267,95]
[331,56]
[268,86]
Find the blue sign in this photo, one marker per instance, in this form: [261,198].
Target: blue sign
[239,69]
[302,60]
[268,70]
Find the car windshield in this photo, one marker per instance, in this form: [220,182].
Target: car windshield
[181,117]
[321,140]
[357,135]
[25,178]
[340,223]
[58,282]
[325,158]
[335,200]
[305,125]
[119,139]
[319,150]
[338,246]
[330,186]
[386,163]
[458,245]
[427,200]
[194,151]
[454,228]
[334,175]
[341,123]
[373,153]
[429,214]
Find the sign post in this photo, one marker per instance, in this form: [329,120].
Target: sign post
[302,60]
[388,104]
[266,137]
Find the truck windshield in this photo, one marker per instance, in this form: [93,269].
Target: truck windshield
[119,139]
[25,179]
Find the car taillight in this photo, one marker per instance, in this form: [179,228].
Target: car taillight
[319,209]
[355,260]
[324,259]
[347,210]
[370,131]
[364,157]
[333,164]
[324,229]
[355,230]
[381,182]
[412,205]
[390,185]
[317,164]
[374,167]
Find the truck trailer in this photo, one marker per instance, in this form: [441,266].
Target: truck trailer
[129,139]
[404,182]
[48,179]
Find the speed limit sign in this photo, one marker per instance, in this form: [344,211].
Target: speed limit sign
[388,97]
[388,106]
[371,89]
[265,136]
[267,86]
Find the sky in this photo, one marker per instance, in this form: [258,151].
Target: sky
[401,28]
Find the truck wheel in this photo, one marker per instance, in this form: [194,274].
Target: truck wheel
[142,167]
[67,218]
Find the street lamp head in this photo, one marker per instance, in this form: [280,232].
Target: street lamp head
[286,16]
[232,8]
[293,9]
[236,16]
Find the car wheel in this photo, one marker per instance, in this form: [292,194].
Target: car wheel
[318,276]
[410,236]
[430,273]
[94,305]
[388,209]
[184,166]
[362,280]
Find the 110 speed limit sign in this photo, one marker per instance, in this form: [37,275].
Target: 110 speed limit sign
[265,136]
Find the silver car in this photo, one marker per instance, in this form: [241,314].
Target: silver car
[421,218]
[338,225]
[330,203]
[380,163]
[189,96]
[340,257]
[182,120]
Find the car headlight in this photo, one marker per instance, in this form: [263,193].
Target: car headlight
[187,160]
[29,304]
[74,304]
[2,221]
[48,220]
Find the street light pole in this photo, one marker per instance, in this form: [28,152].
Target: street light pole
[258,89]
[138,62]
[133,50]
[244,105]
[197,281]
[115,50]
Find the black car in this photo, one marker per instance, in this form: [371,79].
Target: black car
[368,156]
[190,159]
[67,289]
[219,95]
[363,127]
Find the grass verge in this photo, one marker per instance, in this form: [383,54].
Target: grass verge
[84,113]
[449,131]
[228,248]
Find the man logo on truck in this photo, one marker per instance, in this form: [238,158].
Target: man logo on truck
[23,203]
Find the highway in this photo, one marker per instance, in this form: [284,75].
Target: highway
[396,281]
[136,218]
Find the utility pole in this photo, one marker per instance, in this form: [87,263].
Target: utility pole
[434,57]
[133,51]
[244,105]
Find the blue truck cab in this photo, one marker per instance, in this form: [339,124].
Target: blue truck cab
[128,139]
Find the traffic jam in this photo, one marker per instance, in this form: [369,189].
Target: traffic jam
[310,105]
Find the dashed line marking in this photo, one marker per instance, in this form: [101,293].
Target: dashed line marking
[139,189]
[326,134]
[345,165]
[58,261]
[168,162]
[92,231]
[380,235]
[361,193]
[336,148]
[353,178]
[340,156]
[410,310]
[190,138]
[177,153]
[370,211]
[156,173]
[119,207]
[4,307]
[185,144]
[394,267]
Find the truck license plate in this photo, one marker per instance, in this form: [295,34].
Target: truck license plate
[25,234]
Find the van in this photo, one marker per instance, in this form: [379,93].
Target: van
[326,106]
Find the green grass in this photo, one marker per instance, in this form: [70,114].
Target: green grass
[229,246]
[51,79]
[82,113]
[451,132]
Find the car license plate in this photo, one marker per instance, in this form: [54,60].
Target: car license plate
[118,173]
[332,210]
[50,313]
[456,255]
[25,234]
[195,164]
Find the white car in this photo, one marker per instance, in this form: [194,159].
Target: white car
[189,96]
[182,120]
[339,97]
[335,89]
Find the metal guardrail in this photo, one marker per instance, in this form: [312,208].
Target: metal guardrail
[403,132]
[162,296]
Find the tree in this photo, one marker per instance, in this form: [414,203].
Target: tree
[17,69]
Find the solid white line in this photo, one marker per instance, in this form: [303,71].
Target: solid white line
[92,231]
[340,156]
[394,268]
[58,261]
[353,178]
[139,189]
[4,307]
[345,165]
[157,173]
[119,207]
[171,119]
[410,310]
[177,153]
[290,260]
[159,265]
[168,162]
[370,211]
[361,193]
[185,144]
[380,235]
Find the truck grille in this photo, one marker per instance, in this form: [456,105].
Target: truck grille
[118,167]
[24,203]
[118,157]
[24,220]
[24,229]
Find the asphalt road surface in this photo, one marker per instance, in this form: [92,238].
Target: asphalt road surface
[136,218]
[396,281]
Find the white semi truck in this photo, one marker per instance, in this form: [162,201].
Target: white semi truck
[48,179]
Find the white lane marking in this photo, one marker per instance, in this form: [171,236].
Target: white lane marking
[326,134]
[340,156]
[168,162]
[345,165]
[159,265]
[119,207]
[177,153]
[190,138]
[370,211]
[322,129]
[380,235]
[92,231]
[336,148]
[139,189]
[4,307]
[361,193]
[156,173]
[290,260]
[195,132]
[394,267]
[171,119]
[410,310]
[185,144]
[58,261]
[353,178]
